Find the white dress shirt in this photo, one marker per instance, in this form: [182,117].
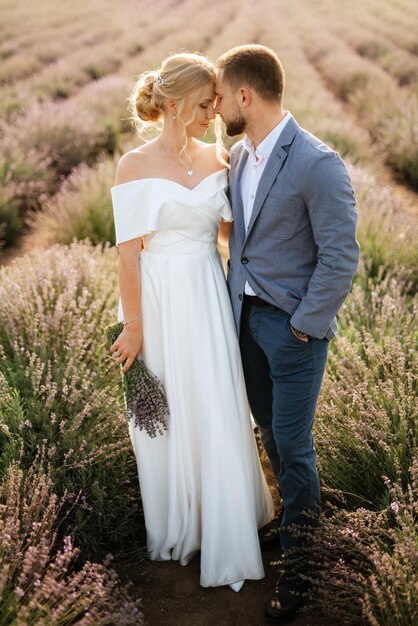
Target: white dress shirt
[253,169]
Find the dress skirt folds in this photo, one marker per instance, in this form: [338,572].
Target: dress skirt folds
[201,482]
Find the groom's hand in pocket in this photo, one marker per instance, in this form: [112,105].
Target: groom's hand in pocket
[299,335]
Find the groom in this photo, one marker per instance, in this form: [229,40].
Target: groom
[293,254]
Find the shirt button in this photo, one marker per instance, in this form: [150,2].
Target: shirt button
[240,296]
[252,197]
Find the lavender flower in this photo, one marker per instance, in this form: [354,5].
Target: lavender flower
[145,398]
[39,580]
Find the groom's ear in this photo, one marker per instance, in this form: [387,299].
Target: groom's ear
[244,96]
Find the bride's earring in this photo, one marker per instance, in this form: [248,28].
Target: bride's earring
[174,116]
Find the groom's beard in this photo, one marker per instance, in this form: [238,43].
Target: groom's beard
[236,126]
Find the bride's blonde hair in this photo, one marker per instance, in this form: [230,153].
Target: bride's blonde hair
[178,77]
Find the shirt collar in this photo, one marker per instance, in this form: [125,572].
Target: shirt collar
[265,148]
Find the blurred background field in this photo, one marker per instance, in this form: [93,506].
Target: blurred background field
[69,492]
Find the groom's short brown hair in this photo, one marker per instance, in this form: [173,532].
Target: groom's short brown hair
[255,66]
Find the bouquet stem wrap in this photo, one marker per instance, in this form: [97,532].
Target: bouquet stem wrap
[144,395]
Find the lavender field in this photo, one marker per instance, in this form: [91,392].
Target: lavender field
[69,496]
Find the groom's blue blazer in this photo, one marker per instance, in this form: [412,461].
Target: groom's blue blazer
[300,251]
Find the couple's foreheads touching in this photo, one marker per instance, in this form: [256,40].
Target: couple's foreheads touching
[242,86]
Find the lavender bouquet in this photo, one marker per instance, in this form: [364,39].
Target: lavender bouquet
[144,395]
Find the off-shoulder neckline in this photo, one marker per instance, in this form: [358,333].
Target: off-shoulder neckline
[168,180]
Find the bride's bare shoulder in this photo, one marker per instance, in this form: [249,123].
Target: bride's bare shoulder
[134,164]
[215,154]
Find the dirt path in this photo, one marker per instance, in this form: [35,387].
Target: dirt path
[172,596]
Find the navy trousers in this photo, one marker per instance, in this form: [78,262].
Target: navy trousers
[283,377]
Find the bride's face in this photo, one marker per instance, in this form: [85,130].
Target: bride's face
[199,110]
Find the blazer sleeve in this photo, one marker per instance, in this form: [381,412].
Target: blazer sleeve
[329,199]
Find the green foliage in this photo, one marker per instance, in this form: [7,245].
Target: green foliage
[366,426]
[41,149]
[372,49]
[394,127]
[38,583]
[387,234]
[82,209]
[95,71]
[362,569]
[348,86]
[10,220]
[60,391]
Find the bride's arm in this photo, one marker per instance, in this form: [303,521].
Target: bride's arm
[223,233]
[129,342]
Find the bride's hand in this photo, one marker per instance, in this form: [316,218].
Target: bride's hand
[128,345]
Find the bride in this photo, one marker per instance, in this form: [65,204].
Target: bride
[201,482]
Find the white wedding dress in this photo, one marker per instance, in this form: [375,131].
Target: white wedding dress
[201,482]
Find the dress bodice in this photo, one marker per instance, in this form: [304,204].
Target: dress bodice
[170,216]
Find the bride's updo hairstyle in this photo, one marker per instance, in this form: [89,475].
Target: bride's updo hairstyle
[178,77]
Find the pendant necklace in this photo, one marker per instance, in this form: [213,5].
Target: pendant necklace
[189,170]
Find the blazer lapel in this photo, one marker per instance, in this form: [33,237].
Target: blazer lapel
[273,166]
[236,198]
